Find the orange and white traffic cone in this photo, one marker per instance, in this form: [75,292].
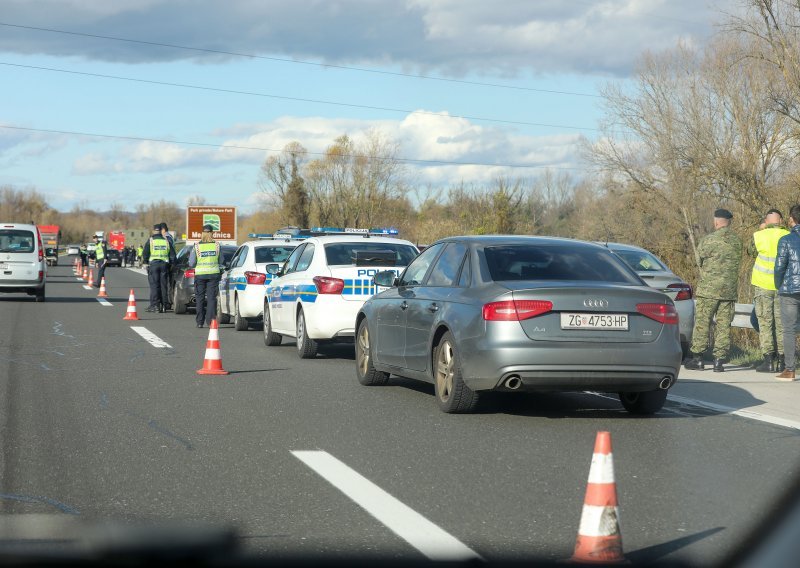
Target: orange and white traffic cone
[88,275]
[102,292]
[212,363]
[599,539]
[130,313]
[75,266]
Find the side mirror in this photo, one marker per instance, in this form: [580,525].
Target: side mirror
[385,279]
[274,269]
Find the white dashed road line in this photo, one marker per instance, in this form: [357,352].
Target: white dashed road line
[151,337]
[428,538]
[87,287]
[104,302]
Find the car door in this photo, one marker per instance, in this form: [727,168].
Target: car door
[227,282]
[279,299]
[428,301]
[299,286]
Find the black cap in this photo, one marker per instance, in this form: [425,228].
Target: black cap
[208,228]
[723,214]
[157,227]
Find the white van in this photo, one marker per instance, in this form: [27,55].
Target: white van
[22,264]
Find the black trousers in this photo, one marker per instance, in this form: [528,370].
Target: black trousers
[101,271]
[206,289]
[157,278]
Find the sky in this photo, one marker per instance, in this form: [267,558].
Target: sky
[133,101]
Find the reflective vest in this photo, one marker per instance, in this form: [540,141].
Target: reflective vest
[159,250]
[766,241]
[139,251]
[207,255]
[98,252]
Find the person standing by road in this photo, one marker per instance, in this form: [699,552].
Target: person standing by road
[787,281]
[170,284]
[156,255]
[100,259]
[205,258]
[139,255]
[719,255]
[764,248]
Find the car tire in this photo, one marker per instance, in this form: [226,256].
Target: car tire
[239,323]
[271,339]
[648,402]
[306,347]
[221,318]
[40,295]
[452,394]
[178,305]
[366,373]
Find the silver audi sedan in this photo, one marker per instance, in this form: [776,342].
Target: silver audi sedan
[509,313]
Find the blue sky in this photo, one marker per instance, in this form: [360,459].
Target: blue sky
[572,46]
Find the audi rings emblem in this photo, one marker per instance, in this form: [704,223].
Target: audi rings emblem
[595,303]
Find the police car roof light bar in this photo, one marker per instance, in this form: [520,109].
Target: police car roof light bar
[390,231]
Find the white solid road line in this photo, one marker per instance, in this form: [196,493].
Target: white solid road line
[752,415]
[151,337]
[104,302]
[430,539]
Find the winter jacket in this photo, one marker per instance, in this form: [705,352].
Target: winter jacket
[787,263]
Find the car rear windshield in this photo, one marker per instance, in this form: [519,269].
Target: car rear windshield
[273,254]
[556,262]
[338,254]
[16,240]
[640,260]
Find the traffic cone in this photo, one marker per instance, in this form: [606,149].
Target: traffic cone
[102,293]
[212,363]
[599,539]
[130,313]
[75,266]
[86,273]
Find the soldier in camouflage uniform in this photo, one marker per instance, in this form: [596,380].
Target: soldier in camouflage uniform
[719,256]
[764,249]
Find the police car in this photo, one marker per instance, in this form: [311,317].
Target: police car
[241,285]
[324,282]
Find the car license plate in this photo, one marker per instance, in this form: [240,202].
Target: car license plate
[594,321]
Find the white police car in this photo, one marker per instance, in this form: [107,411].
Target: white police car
[241,285]
[323,284]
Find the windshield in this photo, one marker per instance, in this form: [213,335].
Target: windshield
[640,261]
[16,240]
[344,254]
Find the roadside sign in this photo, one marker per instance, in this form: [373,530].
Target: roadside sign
[221,218]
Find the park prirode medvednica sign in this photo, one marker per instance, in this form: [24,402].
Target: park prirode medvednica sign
[221,218]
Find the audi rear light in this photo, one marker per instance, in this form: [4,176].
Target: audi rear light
[684,291]
[327,285]
[515,310]
[189,273]
[255,277]
[662,313]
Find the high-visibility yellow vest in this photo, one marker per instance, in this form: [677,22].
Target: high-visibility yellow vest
[766,241]
[98,252]
[207,255]
[159,249]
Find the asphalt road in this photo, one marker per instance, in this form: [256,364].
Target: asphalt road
[99,425]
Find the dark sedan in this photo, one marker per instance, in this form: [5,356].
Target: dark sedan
[183,277]
[113,257]
[506,313]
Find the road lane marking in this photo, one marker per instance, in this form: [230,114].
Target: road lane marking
[104,302]
[427,537]
[751,414]
[151,337]
[87,287]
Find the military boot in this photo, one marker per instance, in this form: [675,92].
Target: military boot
[694,362]
[766,365]
[780,363]
[718,368]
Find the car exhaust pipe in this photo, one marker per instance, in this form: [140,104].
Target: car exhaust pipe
[665,383]
[513,382]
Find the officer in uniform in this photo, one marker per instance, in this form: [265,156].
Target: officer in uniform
[157,254]
[100,258]
[719,256]
[139,253]
[170,282]
[205,258]
[765,296]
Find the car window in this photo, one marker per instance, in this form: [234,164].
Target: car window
[640,261]
[344,254]
[445,271]
[416,271]
[305,259]
[557,262]
[273,254]
[292,260]
[242,257]
[466,273]
[16,240]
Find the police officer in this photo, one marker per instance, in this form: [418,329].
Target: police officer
[157,254]
[139,254]
[205,258]
[719,256]
[765,296]
[100,258]
[170,284]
